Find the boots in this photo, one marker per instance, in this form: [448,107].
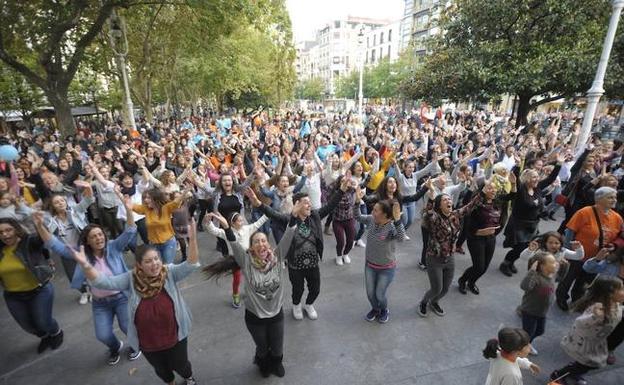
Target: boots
[276,366]
[264,364]
[462,285]
[505,269]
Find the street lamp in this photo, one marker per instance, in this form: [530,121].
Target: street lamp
[361,63]
[119,44]
[596,90]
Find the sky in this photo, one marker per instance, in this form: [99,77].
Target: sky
[309,15]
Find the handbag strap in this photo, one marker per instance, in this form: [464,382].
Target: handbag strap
[601,236]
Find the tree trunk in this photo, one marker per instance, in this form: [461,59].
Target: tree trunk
[62,109]
[524,102]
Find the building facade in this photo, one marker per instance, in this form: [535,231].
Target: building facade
[419,23]
[383,43]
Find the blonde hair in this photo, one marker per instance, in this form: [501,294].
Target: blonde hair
[527,174]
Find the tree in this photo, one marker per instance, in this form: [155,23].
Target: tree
[16,94]
[540,51]
[47,41]
[311,89]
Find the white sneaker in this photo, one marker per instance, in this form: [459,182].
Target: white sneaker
[346,259]
[297,313]
[339,261]
[407,238]
[84,298]
[360,243]
[310,311]
[533,351]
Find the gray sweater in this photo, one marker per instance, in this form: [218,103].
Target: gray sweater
[264,292]
[380,239]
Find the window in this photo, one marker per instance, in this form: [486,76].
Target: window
[381,38]
[337,24]
[372,56]
[389,50]
[368,41]
[389,35]
[374,40]
[380,53]
[337,35]
[366,57]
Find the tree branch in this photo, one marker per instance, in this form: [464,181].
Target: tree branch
[545,100]
[146,42]
[20,67]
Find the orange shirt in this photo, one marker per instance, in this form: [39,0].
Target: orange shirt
[159,228]
[585,226]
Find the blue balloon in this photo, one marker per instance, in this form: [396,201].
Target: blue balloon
[8,153]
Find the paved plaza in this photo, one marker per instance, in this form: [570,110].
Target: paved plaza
[339,348]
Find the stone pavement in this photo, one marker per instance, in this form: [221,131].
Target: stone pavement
[339,348]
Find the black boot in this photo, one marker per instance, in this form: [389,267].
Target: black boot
[43,345]
[264,365]
[56,340]
[513,268]
[504,268]
[276,366]
[473,288]
[462,285]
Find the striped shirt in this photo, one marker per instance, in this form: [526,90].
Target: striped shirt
[381,240]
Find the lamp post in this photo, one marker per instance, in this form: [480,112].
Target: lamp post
[596,90]
[361,65]
[119,44]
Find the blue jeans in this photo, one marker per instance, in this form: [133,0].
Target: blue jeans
[104,312]
[534,326]
[377,282]
[167,250]
[409,213]
[32,310]
[361,227]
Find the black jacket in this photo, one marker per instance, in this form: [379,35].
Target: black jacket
[314,220]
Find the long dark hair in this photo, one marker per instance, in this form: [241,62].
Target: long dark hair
[600,291]
[382,190]
[84,236]
[386,207]
[509,340]
[158,197]
[437,201]
[19,230]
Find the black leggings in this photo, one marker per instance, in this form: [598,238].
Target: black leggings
[513,254]
[297,279]
[267,333]
[425,242]
[616,337]
[344,231]
[575,275]
[205,206]
[165,362]
[481,252]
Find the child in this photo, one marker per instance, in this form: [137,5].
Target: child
[586,342]
[384,228]
[552,242]
[507,356]
[243,234]
[539,290]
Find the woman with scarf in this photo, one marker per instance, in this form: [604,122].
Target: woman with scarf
[263,271]
[160,321]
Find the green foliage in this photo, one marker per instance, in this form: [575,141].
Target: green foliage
[16,94]
[381,81]
[527,48]
[311,89]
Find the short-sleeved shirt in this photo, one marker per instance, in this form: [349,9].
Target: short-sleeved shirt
[159,227]
[585,226]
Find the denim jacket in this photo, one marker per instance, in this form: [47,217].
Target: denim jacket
[113,254]
[29,251]
[77,213]
[603,267]
[175,274]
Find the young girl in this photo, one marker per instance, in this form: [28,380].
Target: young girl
[242,232]
[539,290]
[586,342]
[507,356]
[552,242]
[384,228]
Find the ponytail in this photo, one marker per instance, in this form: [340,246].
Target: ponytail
[220,268]
[491,349]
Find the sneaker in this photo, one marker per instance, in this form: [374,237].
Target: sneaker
[422,266]
[43,344]
[533,351]
[190,381]
[384,316]
[297,312]
[346,259]
[580,380]
[462,286]
[310,311]
[339,261]
[236,302]
[437,309]
[422,309]
[611,358]
[114,357]
[132,355]
[84,298]
[473,289]
[505,269]
[372,315]
[407,238]
[360,243]
[56,340]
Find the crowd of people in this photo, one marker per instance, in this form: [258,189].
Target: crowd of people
[271,189]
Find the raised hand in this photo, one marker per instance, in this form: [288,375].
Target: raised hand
[249,193]
[534,266]
[37,218]
[80,256]
[396,211]
[533,246]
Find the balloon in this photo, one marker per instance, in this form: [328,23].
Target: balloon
[8,153]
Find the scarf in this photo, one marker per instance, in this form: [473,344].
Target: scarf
[129,191]
[263,262]
[148,287]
